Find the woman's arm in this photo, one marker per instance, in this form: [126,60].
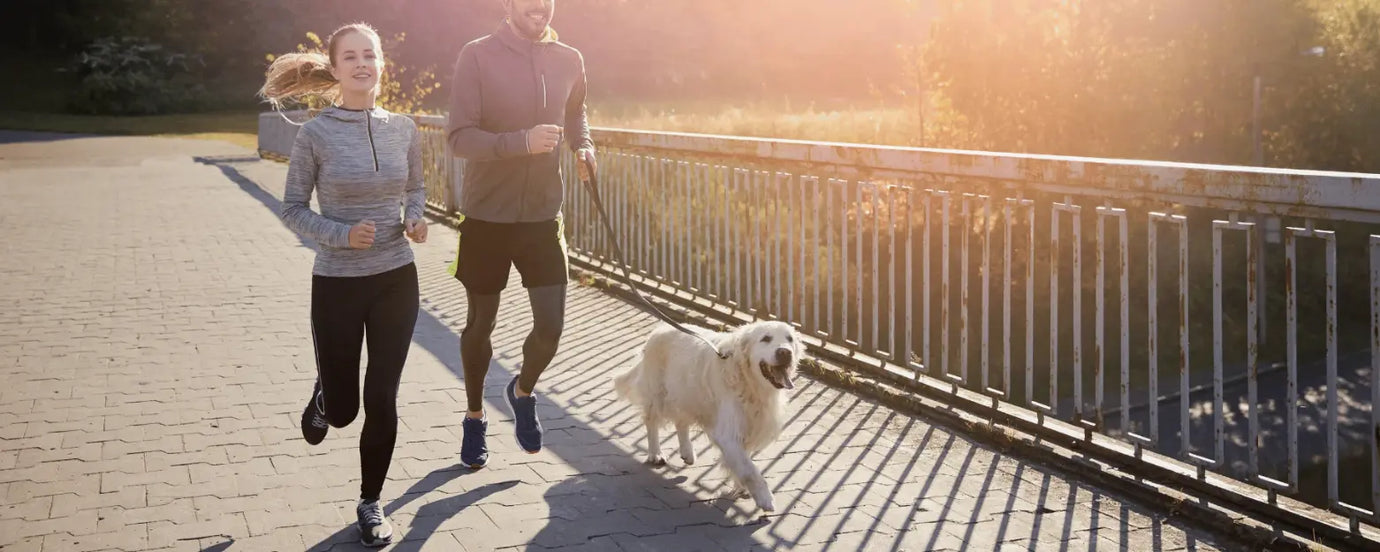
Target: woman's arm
[301,181]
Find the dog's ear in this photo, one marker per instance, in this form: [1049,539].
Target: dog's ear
[742,345]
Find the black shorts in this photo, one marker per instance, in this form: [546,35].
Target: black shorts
[489,250]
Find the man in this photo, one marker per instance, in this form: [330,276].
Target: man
[510,93]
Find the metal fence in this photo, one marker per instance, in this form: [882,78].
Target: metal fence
[1225,316]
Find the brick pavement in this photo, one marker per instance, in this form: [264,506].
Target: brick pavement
[155,355]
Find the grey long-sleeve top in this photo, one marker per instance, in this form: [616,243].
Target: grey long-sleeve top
[362,165]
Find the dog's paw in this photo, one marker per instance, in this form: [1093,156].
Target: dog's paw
[688,458]
[736,493]
[655,461]
[767,503]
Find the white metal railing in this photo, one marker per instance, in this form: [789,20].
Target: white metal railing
[973,268]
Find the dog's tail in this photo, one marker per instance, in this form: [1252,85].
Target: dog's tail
[625,384]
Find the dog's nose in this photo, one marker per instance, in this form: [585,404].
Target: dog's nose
[783,355]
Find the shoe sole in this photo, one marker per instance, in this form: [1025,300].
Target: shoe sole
[376,544]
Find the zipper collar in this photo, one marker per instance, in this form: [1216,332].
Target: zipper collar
[365,117]
[356,115]
[369,128]
[510,38]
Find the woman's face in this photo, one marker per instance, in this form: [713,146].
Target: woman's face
[358,62]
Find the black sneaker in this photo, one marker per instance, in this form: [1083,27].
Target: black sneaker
[374,530]
[525,417]
[473,451]
[314,422]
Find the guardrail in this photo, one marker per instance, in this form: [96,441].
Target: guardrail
[1223,318]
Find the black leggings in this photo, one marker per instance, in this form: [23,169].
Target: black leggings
[476,349]
[343,310]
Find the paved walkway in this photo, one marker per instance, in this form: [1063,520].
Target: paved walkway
[155,356]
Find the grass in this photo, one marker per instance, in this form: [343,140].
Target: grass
[237,127]
[41,105]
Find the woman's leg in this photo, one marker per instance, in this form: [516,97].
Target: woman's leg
[391,320]
[337,327]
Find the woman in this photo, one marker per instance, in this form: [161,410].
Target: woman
[363,162]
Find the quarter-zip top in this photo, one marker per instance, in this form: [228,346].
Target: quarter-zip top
[384,185]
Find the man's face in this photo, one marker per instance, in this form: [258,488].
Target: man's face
[530,17]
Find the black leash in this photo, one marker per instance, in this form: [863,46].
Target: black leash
[593,185]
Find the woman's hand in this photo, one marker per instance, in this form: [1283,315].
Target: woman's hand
[362,235]
[416,230]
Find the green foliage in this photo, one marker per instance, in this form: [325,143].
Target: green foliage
[1169,80]
[1329,119]
[133,76]
[403,88]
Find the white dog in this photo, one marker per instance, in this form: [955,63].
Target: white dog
[740,402]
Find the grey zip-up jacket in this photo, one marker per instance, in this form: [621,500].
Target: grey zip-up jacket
[362,165]
[504,85]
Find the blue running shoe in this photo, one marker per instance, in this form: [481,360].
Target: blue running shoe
[525,415]
[473,452]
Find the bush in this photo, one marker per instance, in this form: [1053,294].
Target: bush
[133,76]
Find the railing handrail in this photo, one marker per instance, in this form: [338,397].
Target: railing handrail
[1280,192]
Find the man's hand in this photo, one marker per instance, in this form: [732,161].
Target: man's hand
[586,154]
[543,138]
[362,235]
[416,230]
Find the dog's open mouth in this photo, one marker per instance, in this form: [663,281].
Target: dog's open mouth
[776,374]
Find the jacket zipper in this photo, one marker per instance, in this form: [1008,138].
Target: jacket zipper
[527,168]
[369,125]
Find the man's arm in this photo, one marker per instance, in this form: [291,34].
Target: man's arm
[414,207]
[462,128]
[576,118]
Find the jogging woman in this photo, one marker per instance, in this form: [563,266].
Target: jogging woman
[365,166]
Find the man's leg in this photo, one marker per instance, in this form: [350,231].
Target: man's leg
[482,265]
[548,319]
[544,267]
[476,348]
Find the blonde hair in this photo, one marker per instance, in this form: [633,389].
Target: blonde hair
[292,77]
